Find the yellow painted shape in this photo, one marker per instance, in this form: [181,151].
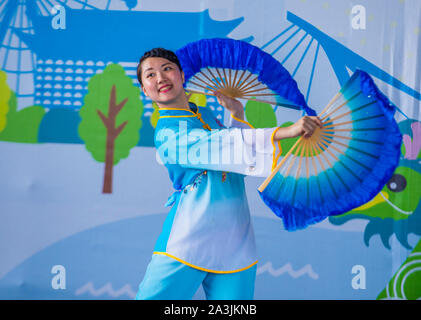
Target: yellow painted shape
[375,201]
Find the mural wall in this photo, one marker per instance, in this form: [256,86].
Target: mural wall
[82,195]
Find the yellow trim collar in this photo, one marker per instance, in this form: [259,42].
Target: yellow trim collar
[194,114]
[186,116]
[243,121]
[179,109]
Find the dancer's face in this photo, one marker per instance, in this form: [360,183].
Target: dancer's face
[162,81]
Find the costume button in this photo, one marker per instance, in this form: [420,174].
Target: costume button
[252,168]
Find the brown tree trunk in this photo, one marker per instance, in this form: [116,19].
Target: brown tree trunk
[109,164]
[112,134]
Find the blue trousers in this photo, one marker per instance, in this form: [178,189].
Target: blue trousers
[169,279]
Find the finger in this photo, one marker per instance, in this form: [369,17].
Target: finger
[308,131]
[220,94]
[314,121]
[309,127]
[221,100]
[317,121]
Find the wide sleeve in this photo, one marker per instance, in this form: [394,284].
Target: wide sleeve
[249,151]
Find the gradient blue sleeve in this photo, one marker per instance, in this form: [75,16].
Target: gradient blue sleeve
[243,151]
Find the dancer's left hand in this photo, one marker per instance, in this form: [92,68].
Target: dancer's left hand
[232,105]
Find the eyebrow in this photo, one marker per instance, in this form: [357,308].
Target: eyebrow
[161,66]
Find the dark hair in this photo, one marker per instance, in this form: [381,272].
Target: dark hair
[157,53]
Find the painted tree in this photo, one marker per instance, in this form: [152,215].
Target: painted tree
[260,114]
[155,115]
[22,125]
[4,99]
[111,119]
[17,126]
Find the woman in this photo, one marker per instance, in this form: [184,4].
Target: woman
[207,237]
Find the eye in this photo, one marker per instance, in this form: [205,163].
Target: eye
[167,68]
[149,75]
[397,183]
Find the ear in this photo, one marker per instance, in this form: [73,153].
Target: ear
[144,91]
[182,76]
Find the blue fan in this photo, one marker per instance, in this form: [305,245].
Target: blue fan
[342,165]
[239,70]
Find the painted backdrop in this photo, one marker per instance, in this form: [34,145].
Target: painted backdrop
[79,220]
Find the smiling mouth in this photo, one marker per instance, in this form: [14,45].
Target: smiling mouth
[165,88]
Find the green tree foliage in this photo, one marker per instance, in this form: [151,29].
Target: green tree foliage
[260,114]
[4,99]
[22,125]
[155,115]
[17,126]
[111,118]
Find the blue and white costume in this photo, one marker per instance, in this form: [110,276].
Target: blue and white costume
[209,227]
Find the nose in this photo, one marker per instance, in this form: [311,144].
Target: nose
[160,77]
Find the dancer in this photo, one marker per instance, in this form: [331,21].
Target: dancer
[207,238]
